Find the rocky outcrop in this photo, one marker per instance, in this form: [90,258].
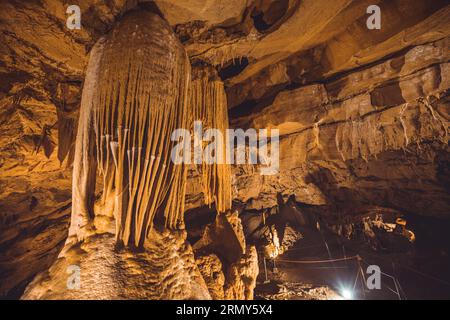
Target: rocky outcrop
[346,139]
[300,291]
[166,269]
[238,283]
[363,113]
[211,12]
[35,191]
[241,276]
[211,269]
[320,40]
[228,265]
[225,237]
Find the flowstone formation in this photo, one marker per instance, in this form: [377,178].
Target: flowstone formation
[363,116]
[131,242]
[209,103]
[166,269]
[135,94]
[228,264]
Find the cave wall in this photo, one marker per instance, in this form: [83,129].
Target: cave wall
[363,113]
[376,135]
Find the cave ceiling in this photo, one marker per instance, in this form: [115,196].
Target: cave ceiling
[363,114]
[35,39]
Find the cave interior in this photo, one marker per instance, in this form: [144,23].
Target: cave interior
[352,97]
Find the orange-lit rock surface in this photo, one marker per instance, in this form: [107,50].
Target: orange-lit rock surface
[363,116]
[166,269]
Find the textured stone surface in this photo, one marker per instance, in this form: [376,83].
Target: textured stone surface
[223,238]
[228,265]
[241,276]
[211,269]
[364,114]
[35,191]
[359,140]
[166,269]
[212,12]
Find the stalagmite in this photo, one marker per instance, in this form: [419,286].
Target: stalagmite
[135,94]
[402,121]
[209,103]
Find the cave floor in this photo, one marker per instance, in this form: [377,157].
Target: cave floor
[421,273]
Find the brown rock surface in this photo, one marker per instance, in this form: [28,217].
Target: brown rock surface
[224,237]
[166,269]
[212,271]
[363,113]
[228,265]
[377,119]
[241,276]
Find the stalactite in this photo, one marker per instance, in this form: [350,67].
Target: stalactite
[85,161]
[141,96]
[209,102]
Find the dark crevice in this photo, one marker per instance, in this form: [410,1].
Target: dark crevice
[259,22]
[269,14]
[196,220]
[252,106]
[232,68]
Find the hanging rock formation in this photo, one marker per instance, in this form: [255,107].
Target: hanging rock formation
[209,103]
[135,95]
[363,116]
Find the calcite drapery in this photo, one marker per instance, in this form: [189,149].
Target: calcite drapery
[209,103]
[135,94]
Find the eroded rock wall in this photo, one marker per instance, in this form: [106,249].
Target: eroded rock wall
[228,265]
[361,137]
[363,113]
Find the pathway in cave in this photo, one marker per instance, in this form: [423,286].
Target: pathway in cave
[334,280]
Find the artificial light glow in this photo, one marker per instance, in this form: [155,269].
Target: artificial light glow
[347,294]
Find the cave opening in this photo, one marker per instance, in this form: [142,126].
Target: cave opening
[269,14]
[233,67]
